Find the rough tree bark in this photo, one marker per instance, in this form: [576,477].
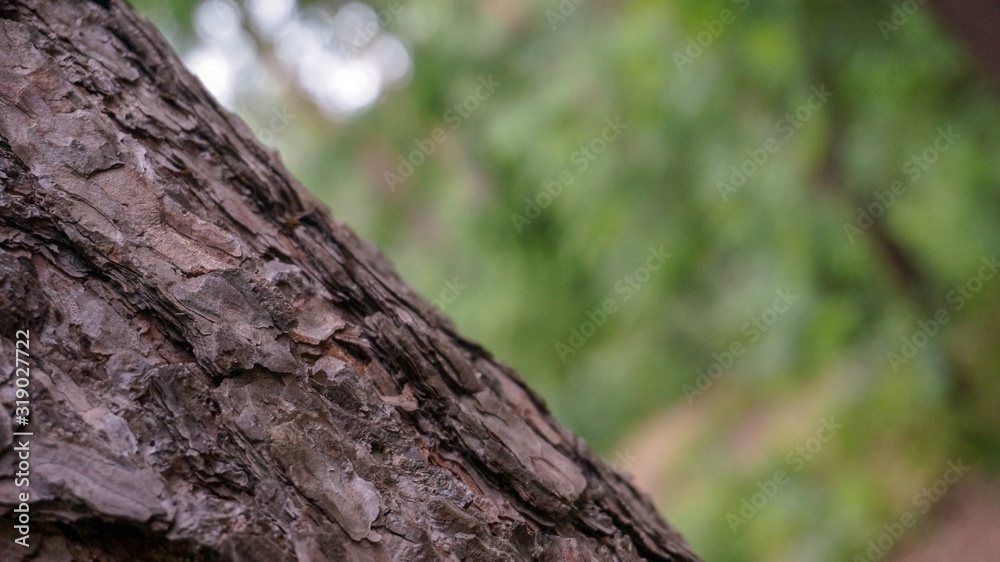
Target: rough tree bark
[218,370]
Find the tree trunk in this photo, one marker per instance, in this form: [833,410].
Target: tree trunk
[217,370]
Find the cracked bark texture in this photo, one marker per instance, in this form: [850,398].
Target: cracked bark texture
[219,370]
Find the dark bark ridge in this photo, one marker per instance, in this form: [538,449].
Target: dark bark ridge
[219,370]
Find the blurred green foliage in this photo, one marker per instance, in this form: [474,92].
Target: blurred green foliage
[451,231]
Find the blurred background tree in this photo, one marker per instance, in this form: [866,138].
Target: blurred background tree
[817,178]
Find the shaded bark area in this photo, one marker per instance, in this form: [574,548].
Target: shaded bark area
[219,370]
